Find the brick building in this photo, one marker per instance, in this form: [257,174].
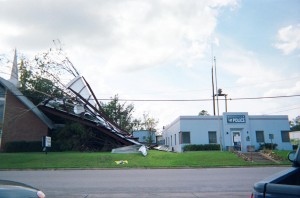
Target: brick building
[20,119]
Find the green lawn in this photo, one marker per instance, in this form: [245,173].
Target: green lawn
[282,154]
[155,159]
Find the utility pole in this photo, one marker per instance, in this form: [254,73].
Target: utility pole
[219,125]
[213,89]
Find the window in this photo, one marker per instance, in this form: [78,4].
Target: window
[285,136]
[212,137]
[260,136]
[175,139]
[185,138]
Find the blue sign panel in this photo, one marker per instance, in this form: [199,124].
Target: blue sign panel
[236,119]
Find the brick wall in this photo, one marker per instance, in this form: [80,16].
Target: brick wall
[20,123]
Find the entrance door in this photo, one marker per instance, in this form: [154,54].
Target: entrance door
[236,138]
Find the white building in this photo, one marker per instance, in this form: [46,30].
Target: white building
[235,130]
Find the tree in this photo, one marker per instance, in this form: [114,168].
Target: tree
[150,124]
[41,77]
[203,113]
[121,114]
[73,137]
[295,124]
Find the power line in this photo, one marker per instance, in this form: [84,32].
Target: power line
[285,110]
[198,100]
[265,97]
[180,100]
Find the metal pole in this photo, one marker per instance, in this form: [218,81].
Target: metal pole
[225,102]
[219,125]
[213,89]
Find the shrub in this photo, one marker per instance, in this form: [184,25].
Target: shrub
[295,147]
[267,146]
[201,147]
[23,146]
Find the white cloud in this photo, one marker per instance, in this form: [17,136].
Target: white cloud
[127,35]
[246,67]
[291,90]
[288,39]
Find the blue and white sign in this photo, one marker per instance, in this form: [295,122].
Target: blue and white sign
[236,119]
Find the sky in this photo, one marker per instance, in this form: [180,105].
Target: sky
[165,49]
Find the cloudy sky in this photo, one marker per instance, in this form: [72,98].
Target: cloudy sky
[163,49]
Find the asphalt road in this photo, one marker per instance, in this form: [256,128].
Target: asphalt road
[123,183]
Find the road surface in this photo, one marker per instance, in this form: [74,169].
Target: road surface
[123,183]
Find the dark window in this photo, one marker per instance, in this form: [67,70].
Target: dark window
[285,136]
[260,136]
[185,138]
[212,137]
[175,139]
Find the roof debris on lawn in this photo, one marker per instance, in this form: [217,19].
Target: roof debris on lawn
[131,149]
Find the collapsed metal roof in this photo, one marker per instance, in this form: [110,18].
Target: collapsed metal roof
[83,107]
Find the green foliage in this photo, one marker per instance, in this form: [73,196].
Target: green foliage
[150,138]
[23,146]
[295,141]
[267,146]
[295,124]
[35,86]
[201,147]
[121,114]
[72,137]
[295,128]
[40,89]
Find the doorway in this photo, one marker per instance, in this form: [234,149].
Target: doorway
[236,139]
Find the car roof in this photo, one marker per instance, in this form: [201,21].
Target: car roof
[14,183]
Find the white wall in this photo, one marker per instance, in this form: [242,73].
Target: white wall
[270,125]
[199,126]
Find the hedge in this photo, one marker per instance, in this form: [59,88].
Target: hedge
[33,146]
[202,147]
[23,146]
[267,146]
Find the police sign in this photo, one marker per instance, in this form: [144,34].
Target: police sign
[236,119]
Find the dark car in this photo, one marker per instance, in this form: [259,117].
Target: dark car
[12,189]
[285,184]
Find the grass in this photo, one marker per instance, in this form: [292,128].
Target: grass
[155,159]
[282,154]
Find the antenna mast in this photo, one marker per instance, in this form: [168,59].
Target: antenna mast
[212,79]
